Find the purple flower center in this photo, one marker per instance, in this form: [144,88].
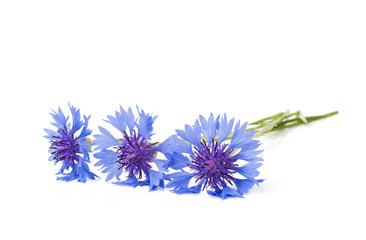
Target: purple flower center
[213,165]
[66,148]
[136,154]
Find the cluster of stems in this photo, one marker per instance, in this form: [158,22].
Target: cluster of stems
[281,121]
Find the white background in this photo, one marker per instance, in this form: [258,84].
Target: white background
[179,59]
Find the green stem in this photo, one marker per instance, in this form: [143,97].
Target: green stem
[296,122]
[282,121]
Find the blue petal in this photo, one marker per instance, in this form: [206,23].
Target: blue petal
[176,161]
[108,164]
[60,119]
[178,175]
[203,122]
[208,127]
[145,124]
[76,123]
[191,190]
[132,181]
[145,182]
[215,193]
[249,156]
[225,128]
[191,134]
[129,118]
[249,170]
[69,176]
[113,171]
[179,181]
[117,122]
[50,133]
[84,172]
[108,157]
[195,189]
[244,185]
[229,192]
[81,172]
[85,131]
[174,144]
[156,180]
[251,145]
[239,136]
[105,140]
[161,164]
[84,147]
[63,167]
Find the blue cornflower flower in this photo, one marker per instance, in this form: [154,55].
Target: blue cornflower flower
[70,146]
[133,154]
[210,156]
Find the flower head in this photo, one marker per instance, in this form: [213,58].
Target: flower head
[132,154]
[211,156]
[69,146]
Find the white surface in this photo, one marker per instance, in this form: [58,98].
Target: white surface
[249,59]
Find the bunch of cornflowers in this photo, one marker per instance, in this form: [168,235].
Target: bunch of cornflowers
[215,155]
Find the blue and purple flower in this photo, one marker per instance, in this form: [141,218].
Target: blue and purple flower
[211,156]
[131,155]
[69,145]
